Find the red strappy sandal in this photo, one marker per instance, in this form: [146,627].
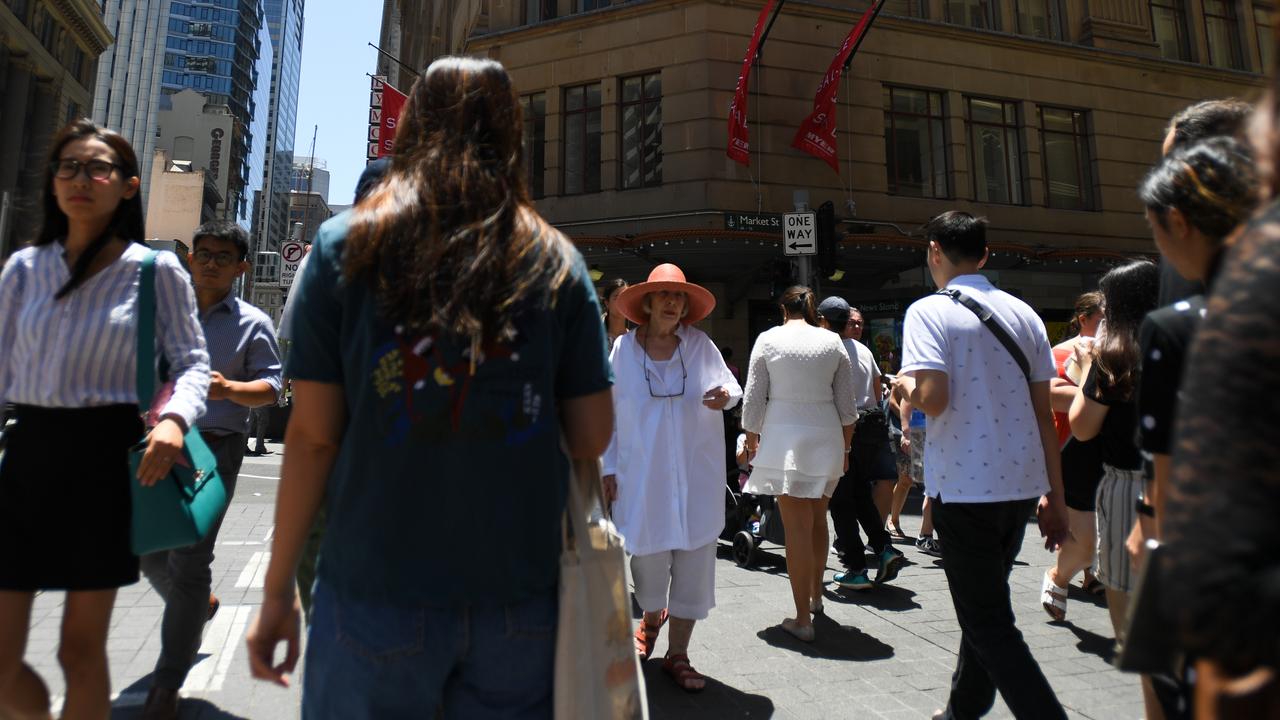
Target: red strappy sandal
[682,673]
[646,637]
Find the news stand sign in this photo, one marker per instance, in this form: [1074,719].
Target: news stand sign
[290,255]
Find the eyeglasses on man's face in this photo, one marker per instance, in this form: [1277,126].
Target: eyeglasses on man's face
[221,259]
[69,168]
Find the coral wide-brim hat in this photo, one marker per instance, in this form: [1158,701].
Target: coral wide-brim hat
[671,278]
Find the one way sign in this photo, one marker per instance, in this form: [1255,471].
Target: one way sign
[799,237]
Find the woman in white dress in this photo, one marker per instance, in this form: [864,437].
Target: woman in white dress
[799,412]
[666,463]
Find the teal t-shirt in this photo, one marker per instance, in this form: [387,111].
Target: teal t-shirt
[449,486]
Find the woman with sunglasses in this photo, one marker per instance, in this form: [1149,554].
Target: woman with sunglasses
[665,467]
[68,323]
[799,414]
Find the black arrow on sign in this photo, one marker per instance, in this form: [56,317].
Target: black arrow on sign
[795,245]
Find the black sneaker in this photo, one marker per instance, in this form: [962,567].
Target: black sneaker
[891,562]
[929,546]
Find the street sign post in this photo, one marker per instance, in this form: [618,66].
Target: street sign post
[754,222]
[291,254]
[799,234]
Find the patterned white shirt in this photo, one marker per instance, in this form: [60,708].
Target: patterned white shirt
[81,351]
[985,447]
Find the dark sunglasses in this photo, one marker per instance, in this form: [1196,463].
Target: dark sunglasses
[67,169]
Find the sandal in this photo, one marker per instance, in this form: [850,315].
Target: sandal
[895,531]
[647,636]
[682,673]
[1053,598]
[803,633]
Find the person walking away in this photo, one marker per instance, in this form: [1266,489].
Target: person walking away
[799,412]
[446,339]
[1106,408]
[665,467]
[852,503]
[1081,465]
[245,366]
[68,362]
[990,452]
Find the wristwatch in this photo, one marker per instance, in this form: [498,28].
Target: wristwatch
[1143,507]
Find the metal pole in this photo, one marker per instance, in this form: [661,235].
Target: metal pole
[394,59]
[311,169]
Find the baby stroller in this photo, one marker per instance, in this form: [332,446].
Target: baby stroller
[749,519]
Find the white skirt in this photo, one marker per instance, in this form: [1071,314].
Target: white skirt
[767,481]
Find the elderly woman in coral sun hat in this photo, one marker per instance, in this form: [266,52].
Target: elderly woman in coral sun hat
[665,466]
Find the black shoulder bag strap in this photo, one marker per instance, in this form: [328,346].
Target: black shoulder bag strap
[985,316]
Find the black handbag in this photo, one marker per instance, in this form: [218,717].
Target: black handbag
[1149,645]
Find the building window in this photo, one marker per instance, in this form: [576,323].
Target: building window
[19,9]
[73,113]
[1068,168]
[539,10]
[582,139]
[1222,30]
[534,110]
[995,150]
[1262,21]
[973,13]
[907,8]
[1040,18]
[915,143]
[1169,23]
[586,5]
[641,131]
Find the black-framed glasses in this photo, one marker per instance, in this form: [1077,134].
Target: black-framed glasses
[222,259]
[684,372]
[68,168]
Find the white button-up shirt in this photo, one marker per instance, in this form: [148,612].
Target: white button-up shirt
[668,452]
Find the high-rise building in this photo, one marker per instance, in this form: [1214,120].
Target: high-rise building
[48,62]
[126,98]
[310,175]
[284,22]
[191,129]
[308,211]
[223,50]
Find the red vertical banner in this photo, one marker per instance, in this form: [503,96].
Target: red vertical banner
[817,134]
[392,103]
[739,148]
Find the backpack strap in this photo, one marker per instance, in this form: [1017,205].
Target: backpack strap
[986,318]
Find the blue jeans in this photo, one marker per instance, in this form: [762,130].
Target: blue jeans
[367,661]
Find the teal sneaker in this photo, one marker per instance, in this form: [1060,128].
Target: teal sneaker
[891,561]
[853,581]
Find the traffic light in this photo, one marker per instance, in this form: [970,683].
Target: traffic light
[827,239]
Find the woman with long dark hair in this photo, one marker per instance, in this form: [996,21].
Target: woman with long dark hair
[68,329]
[1106,408]
[445,339]
[799,412]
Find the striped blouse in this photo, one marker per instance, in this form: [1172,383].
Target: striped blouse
[80,351]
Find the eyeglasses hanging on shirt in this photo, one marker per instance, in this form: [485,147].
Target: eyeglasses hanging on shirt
[684,372]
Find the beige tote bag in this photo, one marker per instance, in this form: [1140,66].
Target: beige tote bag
[597,672]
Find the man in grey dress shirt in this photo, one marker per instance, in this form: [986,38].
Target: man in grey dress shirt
[245,362]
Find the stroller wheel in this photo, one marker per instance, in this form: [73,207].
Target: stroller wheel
[744,549]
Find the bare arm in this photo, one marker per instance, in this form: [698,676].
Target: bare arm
[1086,416]
[1061,392]
[252,393]
[927,390]
[1052,510]
[588,424]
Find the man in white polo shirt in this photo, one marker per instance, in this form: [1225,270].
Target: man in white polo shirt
[990,454]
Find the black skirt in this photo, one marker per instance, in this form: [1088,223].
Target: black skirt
[64,499]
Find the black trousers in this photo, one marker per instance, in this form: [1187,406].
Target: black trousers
[979,544]
[852,505]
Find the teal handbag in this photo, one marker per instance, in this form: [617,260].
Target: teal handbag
[180,509]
